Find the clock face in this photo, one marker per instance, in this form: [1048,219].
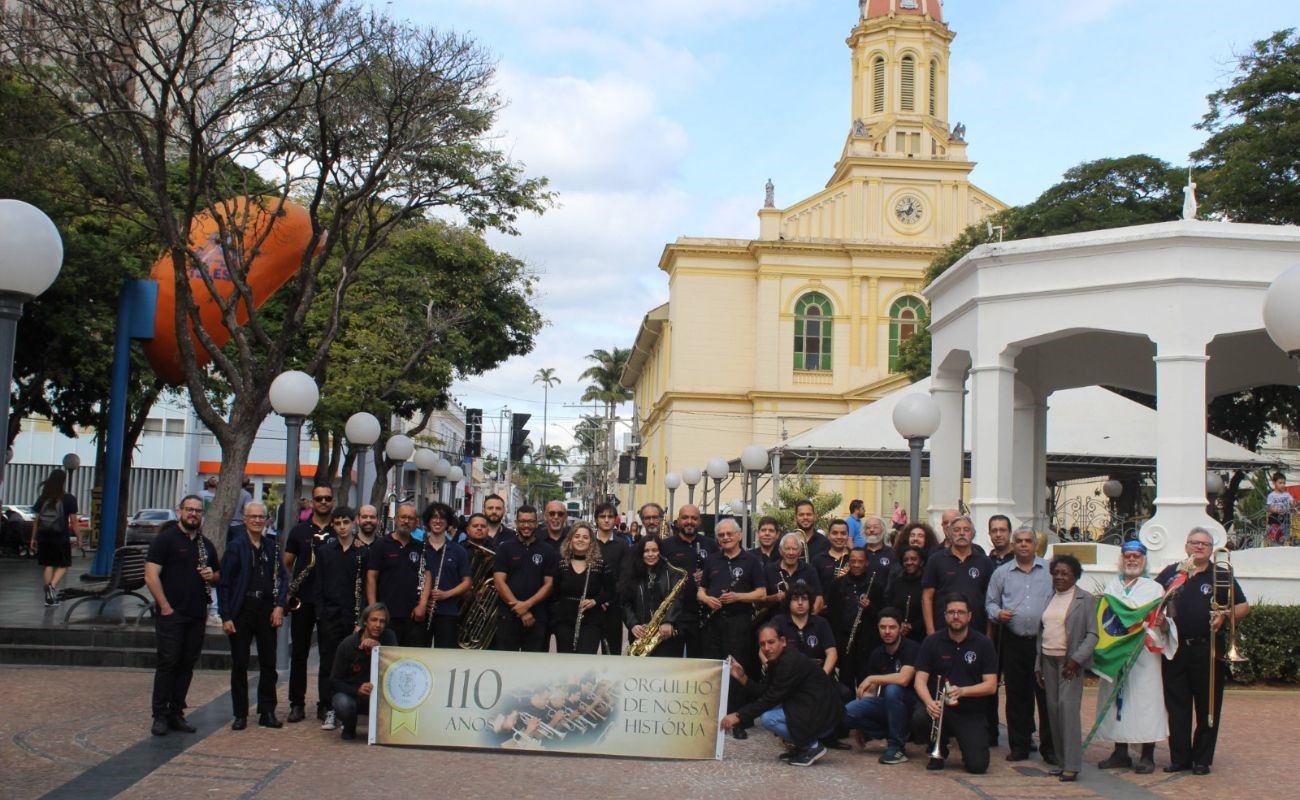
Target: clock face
[908,210]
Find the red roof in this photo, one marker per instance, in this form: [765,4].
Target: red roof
[882,8]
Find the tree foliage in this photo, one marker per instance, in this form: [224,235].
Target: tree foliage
[800,485]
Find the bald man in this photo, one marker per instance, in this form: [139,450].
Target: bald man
[687,549]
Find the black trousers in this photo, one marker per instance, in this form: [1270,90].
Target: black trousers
[692,637]
[409,633]
[332,631]
[967,727]
[253,624]
[513,637]
[301,625]
[179,641]
[730,635]
[445,630]
[1187,684]
[590,636]
[610,622]
[1023,695]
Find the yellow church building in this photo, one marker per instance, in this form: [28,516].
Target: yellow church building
[763,339]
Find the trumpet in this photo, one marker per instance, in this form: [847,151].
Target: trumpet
[1222,583]
[945,699]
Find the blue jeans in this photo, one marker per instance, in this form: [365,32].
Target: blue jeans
[774,720]
[886,717]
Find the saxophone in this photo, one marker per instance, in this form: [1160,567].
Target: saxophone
[294,602]
[652,636]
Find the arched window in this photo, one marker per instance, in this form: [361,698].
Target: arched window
[905,316]
[934,88]
[812,332]
[908,85]
[878,86]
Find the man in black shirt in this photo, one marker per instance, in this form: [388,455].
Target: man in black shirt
[805,522]
[523,573]
[964,660]
[686,549]
[340,591]
[350,680]
[393,577]
[732,582]
[557,523]
[367,525]
[1200,612]
[494,509]
[959,568]
[614,555]
[299,553]
[251,597]
[178,570]
[883,709]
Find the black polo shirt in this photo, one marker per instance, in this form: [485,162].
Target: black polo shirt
[773,557]
[813,639]
[453,562]
[883,563]
[336,573]
[963,663]
[525,567]
[776,579]
[507,533]
[849,590]
[999,560]
[826,565]
[815,545]
[178,556]
[945,573]
[1191,606]
[742,574]
[398,575]
[300,544]
[688,555]
[882,662]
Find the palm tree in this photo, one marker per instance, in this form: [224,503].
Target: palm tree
[546,377]
[605,388]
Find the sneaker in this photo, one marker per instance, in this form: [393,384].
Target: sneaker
[892,757]
[49,598]
[330,722]
[808,756]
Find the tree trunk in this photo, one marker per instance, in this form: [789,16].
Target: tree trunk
[235,447]
[345,478]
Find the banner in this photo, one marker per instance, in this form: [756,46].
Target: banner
[607,705]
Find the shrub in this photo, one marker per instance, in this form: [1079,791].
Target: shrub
[1270,638]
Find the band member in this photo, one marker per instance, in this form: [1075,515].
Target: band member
[731,584]
[446,578]
[477,532]
[810,633]
[886,698]
[904,592]
[652,520]
[882,565]
[340,591]
[833,564]
[854,614]
[299,549]
[613,555]
[367,525]
[1187,674]
[350,680]
[963,660]
[648,584]
[918,535]
[524,573]
[1000,536]
[1018,593]
[557,523]
[393,577]
[494,508]
[1066,639]
[805,522]
[251,597]
[779,577]
[178,570]
[687,549]
[1142,695]
[796,700]
[959,568]
[769,531]
[945,525]
[584,584]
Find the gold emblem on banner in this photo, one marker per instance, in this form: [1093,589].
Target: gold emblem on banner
[407,685]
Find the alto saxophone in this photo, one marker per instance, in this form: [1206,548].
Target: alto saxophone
[650,639]
[294,602]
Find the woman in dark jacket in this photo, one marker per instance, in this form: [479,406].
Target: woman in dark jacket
[582,584]
[649,582]
[1067,636]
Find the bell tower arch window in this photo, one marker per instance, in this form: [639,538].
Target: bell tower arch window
[813,319]
[907,94]
[905,316]
[878,86]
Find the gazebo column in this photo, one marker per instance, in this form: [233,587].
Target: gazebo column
[993,396]
[1180,452]
[947,451]
[1030,431]
[1038,506]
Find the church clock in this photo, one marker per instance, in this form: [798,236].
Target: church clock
[908,209]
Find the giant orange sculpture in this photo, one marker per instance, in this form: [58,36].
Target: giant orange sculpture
[278,257]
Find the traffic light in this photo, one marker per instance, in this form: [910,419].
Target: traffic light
[518,436]
[473,432]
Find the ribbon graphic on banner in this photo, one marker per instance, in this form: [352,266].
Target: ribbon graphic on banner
[407,684]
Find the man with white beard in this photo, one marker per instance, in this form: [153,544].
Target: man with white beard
[1138,714]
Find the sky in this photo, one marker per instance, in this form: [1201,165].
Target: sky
[655,119]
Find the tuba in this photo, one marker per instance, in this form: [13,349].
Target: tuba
[478,621]
[1222,578]
[645,645]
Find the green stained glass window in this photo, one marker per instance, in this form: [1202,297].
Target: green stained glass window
[814,318]
[906,316]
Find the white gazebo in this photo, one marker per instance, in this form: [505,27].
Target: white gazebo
[1173,309]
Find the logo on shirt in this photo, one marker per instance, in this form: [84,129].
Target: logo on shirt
[970,656]
[414,557]
[537,559]
[812,641]
[1205,589]
[974,573]
[737,572]
[884,562]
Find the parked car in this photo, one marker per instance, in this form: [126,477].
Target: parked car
[144,526]
[16,529]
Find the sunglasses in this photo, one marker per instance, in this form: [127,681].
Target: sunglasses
[323,498]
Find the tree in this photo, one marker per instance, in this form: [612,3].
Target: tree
[1252,157]
[605,388]
[368,123]
[547,378]
[797,486]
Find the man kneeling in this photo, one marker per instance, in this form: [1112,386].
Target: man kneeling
[350,676]
[883,709]
[796,700]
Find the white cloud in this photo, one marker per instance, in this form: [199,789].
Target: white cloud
[660,15]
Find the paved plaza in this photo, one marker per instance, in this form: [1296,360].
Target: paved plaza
[83,733]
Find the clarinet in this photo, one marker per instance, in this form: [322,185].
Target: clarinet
[356,588]
[857,620]
[577,626]
[437,581]
[708,615]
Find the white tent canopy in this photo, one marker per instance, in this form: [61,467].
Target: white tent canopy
[1090,431]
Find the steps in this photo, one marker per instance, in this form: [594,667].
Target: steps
[98,646]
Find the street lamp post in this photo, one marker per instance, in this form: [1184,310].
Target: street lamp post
[31,254]
[671,481]
[753,459]
[916,418]
[1113,489]
[362,430]
[454,476]
[398,448]
[424,459]
[441,470]
[294,396]
[717,469]
[691,477]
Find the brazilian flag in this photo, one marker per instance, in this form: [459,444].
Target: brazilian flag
[1120,633]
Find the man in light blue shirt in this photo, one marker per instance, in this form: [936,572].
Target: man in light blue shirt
[1018,593]
[857,510]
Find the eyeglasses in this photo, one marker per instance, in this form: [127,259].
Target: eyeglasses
[189,510]
[254,516]
[646,518]
[956,613]
[607,516]
[323,498]
[556,513]
[1200,544]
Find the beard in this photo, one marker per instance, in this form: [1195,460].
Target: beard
[874,540]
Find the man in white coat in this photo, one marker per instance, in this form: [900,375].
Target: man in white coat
[1138,714]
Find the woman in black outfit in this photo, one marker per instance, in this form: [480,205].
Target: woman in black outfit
[56,520]
[582,584]
[649,581]
[904,592]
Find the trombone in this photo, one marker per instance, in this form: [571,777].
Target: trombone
[1222,583]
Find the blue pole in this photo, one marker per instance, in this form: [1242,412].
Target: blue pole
[135,318]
